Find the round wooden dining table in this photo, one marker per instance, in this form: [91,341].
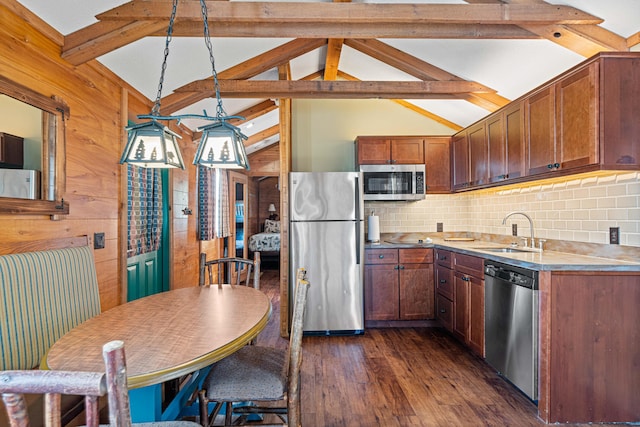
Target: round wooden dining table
[166,335]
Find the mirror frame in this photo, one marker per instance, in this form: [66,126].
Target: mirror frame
[56,112]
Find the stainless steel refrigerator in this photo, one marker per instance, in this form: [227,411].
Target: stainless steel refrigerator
[327,238]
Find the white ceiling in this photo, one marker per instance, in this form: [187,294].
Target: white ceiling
[511,67]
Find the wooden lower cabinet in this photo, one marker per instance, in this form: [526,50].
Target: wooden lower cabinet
[459,280]
[398,284]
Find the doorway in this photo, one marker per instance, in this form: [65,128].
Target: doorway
[236,243]
[147,232]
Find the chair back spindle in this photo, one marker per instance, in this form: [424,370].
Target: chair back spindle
[234,271]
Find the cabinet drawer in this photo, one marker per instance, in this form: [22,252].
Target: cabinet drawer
[416,256]
[444,312]
[444,258]
[444,281]
[381,256]
[471,265]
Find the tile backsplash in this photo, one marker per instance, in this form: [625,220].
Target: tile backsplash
[579,208]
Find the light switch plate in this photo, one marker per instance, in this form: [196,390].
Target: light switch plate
[98,241]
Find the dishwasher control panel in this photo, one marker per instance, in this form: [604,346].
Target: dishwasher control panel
[512,274]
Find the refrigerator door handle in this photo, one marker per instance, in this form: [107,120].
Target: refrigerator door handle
[357,195]
[358,224]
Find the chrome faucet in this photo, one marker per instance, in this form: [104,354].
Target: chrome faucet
[504,222]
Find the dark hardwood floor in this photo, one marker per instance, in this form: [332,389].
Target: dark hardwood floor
[398,377]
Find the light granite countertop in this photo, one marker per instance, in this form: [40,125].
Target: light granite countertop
[547,260]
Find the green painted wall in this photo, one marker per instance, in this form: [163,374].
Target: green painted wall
[323,131]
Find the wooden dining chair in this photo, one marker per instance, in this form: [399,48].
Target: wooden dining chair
[235,271]
[92,385]
[258,374]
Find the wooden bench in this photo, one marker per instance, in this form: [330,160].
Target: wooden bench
[43,295]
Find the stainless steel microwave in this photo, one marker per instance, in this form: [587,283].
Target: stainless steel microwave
[393,182]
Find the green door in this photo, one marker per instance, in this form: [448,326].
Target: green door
[148,272]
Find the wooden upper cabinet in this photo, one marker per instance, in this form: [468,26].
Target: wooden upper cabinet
[478,154]
[618,108]
[513,118]
[382,150]
[460,161]
[562,123]
[373,151]
[577,118]
[438,164]
[505,139]
[540,134]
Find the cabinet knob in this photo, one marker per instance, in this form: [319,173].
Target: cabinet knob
[443,281]
[395,267]
[380,256]
[401,267]
[466,278]
[556,165]
[442,310]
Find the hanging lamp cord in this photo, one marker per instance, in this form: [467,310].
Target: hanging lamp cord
[156,106]
[220,113]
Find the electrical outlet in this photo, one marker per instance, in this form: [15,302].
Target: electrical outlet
[614,235]
[514,229]
[439,227]
[98,240]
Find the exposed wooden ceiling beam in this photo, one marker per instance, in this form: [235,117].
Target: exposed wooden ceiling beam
[422,70]
[348,13]
[428,114]
[586,40]
[245,70]
[633,39]
[104,37]
[334,49]
[357,29]
[338,89]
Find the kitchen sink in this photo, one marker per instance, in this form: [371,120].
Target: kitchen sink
[503,249]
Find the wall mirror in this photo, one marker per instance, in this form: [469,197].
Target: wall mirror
[32,151]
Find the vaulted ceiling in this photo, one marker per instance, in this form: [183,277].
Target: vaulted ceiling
[453,61]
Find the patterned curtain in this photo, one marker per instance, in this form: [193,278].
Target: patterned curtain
[213,203]
[144,210]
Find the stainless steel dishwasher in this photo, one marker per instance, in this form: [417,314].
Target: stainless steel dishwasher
[511,324]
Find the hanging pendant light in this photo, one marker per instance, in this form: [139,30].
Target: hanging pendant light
[153,145]
[221,145]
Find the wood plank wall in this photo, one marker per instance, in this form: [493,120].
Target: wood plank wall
[94,141]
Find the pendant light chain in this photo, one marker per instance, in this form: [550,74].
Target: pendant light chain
[156,107]
[220,113]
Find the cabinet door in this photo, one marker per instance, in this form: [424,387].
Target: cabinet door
[497,162]
[438,164]
[407,151]
[460,161]
[373,151]
[513,118]
[461,307]
[416,291]
[381,297]
[478,154]
[476,315]
[540,122]
[576,118]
